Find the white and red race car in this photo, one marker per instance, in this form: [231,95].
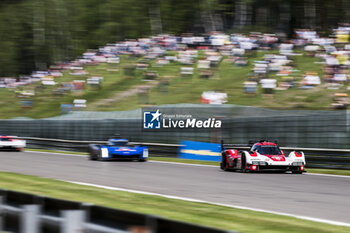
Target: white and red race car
[263,155]
[11,143]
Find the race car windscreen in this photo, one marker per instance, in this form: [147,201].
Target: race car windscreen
[119,143]
[267,150]
[5,139]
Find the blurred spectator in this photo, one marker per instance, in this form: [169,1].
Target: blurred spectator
[268,85]
[213,97]
[250,87]
[340,101]
[311,80]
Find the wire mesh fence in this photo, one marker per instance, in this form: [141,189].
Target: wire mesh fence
[318,129]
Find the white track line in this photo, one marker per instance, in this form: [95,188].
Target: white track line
[53,153]
[214,203]
[185,164]
[330,175]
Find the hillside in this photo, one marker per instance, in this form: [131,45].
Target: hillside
[121,92]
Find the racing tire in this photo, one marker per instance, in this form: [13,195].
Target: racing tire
[297,171]
[243,164]
[223,164]
[99,156]
[142,160]
[92,155]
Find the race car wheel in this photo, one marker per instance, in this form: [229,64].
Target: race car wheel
[98,156]
[223,164]
[92,155]
[243,164]
[298,170]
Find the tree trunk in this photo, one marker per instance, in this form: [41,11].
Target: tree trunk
[310,13]
[243,14]
[283,25]
[39,34]
[155,17]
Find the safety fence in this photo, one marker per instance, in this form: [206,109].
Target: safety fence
[311,129]
[27,213]
[315,157]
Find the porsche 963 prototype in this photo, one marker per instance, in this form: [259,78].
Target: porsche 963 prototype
[262,155]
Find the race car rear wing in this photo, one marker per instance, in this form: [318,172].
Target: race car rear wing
[234,146]
[241,146]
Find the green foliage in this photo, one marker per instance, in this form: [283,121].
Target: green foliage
[37,33]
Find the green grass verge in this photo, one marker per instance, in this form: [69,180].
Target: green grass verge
[329,171]
[189,161]
[197,213]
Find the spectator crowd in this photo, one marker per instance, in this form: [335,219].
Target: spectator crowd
[275,71]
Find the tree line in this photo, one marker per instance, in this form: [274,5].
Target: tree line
[37,33]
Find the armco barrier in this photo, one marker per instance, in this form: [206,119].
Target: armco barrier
[315,157]
[22,212]
[157,149]
[315,129]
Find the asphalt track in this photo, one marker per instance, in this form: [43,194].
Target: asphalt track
[323,197]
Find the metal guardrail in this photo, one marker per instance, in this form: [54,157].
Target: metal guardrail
[157,149]
[27,213]
[315,157]
[304,128]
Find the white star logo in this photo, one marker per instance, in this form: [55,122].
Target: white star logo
[156,115]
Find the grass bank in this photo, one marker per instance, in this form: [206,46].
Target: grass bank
[197,213]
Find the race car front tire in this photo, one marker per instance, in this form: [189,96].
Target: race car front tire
[297,170]
[93,157]
[243,164]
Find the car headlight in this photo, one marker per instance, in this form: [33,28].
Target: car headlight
[104,153]
[145,153]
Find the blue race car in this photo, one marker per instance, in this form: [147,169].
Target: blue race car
[118,149]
